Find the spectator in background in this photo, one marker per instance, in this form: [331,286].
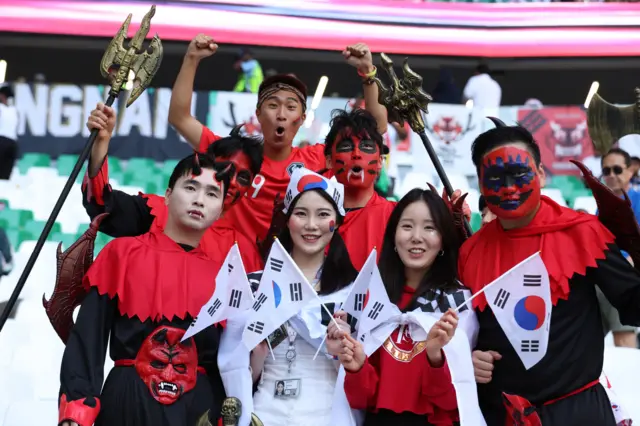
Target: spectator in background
[483,90]
[635,168]
[486,214]
[8,133]
[617,172]
[304,143]
[446,90]
[251,73]
[6,254]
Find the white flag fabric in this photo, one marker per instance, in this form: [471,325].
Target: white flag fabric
[521,302]
[231,295]
[282,293]
[377,308]
[620,414]
[359,296]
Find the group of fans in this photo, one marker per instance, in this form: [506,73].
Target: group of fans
[146,287]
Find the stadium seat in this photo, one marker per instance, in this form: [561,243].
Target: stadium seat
[167,167]
[115,165]
[476,221]
[33,160]
[35,227]
[587,203]
[65,239]
[140,165]
[65,164]
[555,194]
[14,219]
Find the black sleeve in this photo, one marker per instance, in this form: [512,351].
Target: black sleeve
[129,215]
[82,371]
[620,283]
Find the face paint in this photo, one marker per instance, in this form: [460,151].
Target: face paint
[355,160]
[510,184]
[240,181]
[166,366]
[332,226]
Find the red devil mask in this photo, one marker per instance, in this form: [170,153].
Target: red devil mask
[241,180]
[510,184]
[355,160]
[166,366]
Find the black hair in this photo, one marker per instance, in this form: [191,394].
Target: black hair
[280,382]
[289,79]
[635,159]
[619,151]
[443,273]
[503,135]
[196,162]
[252,147]
[337,270]
[482,204]
[358,120]
[7,91]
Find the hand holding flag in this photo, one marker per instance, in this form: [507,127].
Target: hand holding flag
[440,335]
[351,354]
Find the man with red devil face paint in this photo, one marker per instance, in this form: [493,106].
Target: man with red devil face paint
[132,215]
[143,293]
[578,252]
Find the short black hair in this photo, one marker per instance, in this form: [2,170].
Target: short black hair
[7,91]
[252,147]
[194,163]
[634,158]
[358,120]
[482,204]
[500,136]
[619,151]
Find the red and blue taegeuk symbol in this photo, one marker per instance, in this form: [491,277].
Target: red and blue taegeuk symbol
[309,182]
[530,312]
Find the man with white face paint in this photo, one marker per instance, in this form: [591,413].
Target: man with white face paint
[143,293]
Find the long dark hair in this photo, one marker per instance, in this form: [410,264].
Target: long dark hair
[443,273]
[337,270]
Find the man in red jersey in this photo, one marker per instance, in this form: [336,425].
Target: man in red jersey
[281,111]
[133,215]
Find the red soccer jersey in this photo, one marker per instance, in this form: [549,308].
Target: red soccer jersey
[363,229]
[398,377]
[252,214]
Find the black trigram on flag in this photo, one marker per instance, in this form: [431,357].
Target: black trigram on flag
[276,265]
[257,304]
[230,268]
[377,307]
[358,302]
[236,297]
[530,346]
[532,280]
[336,196]
[193,323]
[256,327]
[501,298]
[288,197]
[296,292]
[214,308]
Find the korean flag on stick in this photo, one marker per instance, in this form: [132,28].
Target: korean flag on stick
[359,296]
[231,295]
[521,302]
[282,293]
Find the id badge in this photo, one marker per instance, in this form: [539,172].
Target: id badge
[287,388]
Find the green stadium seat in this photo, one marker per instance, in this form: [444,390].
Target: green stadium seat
[135,164]
[35,227]
[33,160]
[14,238]
[167,168]
[66,239]
[476,221]
[156,184]
[65,164]
[115,165]
[4,204]
[14,219]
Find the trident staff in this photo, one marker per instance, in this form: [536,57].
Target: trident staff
[115,66]
[405,101]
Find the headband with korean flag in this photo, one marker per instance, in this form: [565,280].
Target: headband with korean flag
[305,180]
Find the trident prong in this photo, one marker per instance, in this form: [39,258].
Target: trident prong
[117,60]
[404,98]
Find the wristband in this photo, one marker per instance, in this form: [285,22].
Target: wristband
[368,75]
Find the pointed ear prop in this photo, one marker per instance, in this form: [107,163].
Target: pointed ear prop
[497,122]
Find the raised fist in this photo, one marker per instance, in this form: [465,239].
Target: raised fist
[201,47]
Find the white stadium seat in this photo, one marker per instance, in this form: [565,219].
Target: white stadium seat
[587,203]
[555,195]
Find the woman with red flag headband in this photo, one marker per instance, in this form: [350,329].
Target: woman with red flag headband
[281,111]
[158,379]
[578,252]
[132,215]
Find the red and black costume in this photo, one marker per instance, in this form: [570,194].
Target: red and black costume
[398,386]
[143,293]
[579,253]
[132,215]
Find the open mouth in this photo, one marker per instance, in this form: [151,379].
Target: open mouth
[195,214]
[416,251]
[356,172]
[167,388]
[310,238]
[280,131]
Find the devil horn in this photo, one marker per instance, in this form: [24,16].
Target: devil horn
[497,122]
[235,132]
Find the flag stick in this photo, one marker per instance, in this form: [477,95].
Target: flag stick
[271,349]
[320,347]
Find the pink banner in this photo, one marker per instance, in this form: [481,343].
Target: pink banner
[249,26]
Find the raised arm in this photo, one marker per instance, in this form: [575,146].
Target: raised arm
[180,116]
[82,370]
[359,56]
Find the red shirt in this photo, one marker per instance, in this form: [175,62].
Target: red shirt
[252,214]
[399,377]
[363,229]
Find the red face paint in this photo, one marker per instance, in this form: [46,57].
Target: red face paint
[355,160]
[510,184]
[166,366]
[332,226]
[241,180]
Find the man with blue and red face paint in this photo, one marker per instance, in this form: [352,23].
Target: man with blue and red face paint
[578,252]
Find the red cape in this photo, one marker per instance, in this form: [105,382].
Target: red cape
[153,277]
[568,241]
[363,229]
[216,241]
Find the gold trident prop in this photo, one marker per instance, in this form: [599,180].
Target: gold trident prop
[405,100]
[608,123]
[115,65]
